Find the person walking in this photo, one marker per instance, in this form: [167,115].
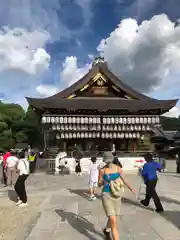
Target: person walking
[78,168]
[93,178]
[11,164]
[149,174]
[111,173]
[32,159]
[5,156]
[23,170]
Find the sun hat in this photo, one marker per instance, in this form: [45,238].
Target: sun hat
[108,157]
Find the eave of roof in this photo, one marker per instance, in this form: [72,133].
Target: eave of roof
[102,104]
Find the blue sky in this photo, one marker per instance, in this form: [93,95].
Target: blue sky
[47,45]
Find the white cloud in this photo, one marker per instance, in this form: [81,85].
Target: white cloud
[144,55]
[46,90]
[70,72]
[174,112]
[20,49]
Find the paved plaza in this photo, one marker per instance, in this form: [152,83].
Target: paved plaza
[58,210]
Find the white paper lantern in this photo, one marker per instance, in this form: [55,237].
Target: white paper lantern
[90,135]
[73,120]
[94,120]
[139,128]
[90,120]
[98,127]
[116,120]
[82,120]
[94,135]
[133,120]
[129,120]
[122,135]
[86,121]
[114,135]
[134,135]
[69,120]
[103,135]
[58,127]
[57,136]
[127,128]
[62,127]
[86,135]
[48,119]
[53,127]
[104,120]
[82,135]
[143,128]
[135,127]
[74,135]
[110,135]
[131,128]
[108,120]
[119,128]
[120,120]
[115,128]
[145,120]
[123,128]
[66,127]
[124,120]
[66,135]
[62,135]
[43,120]
[141,120]
[61,120]
[112,120]
[149,120]
[106,135]
[70,135]
[148,128]
[157,120]
[130,135]
[98,135]
[118,135]
[137,120]
[78,135]
[138,135]
[153,120]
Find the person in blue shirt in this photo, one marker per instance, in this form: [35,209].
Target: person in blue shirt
[149,174]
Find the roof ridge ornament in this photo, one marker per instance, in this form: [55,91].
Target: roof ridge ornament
[98,60]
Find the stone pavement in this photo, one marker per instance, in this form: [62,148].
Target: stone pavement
[58,210]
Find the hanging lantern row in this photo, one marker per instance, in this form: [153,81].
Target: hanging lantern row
[73,127]
[126,128]
[82,135]
[98,127]
[78,135]
[70,120]
[131,120]
[121,135]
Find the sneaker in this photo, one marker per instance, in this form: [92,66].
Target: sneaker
[23,205]
[107,234]
[18,203]
[94,198]
[159,210]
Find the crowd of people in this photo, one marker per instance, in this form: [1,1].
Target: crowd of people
[107,176]
[16,167]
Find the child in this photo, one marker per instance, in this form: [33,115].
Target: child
[93,178]
[78,168]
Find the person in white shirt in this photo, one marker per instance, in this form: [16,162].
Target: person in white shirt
[23,169]
[93,178]
[11,164]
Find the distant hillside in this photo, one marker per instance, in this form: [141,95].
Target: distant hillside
[170,123]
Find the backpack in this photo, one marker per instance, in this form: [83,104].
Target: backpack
[117,188]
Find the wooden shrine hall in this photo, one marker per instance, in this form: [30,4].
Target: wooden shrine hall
[99,111]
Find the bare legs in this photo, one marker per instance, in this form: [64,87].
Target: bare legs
[112,224]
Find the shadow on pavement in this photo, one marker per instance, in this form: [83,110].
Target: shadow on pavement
[173,217]
[169,200]
[82,193]
[12,195]
[81,224]
[135,203]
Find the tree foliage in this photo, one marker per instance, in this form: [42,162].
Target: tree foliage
[18,126]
